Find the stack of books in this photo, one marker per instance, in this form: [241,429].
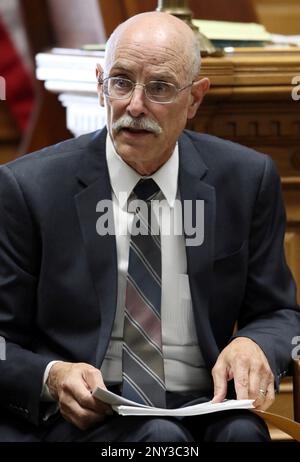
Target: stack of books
[69,69]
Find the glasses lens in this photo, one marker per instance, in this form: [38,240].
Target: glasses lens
[160,92]
[116,87]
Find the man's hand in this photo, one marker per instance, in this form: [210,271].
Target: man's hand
[71,385]
[244,362]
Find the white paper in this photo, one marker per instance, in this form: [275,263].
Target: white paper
[286,39]
[114,400]
[124,406]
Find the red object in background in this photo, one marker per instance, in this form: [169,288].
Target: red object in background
[19,85]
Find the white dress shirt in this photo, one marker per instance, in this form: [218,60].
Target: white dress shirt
[183,362]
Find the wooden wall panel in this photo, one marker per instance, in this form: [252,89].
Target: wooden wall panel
[77,24]
[113,13]
[279,16]
[116,11]
[38,25]
[62,23]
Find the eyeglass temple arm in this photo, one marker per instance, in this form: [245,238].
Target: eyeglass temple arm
[100,79]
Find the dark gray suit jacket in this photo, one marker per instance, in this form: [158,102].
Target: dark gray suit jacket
[58,277]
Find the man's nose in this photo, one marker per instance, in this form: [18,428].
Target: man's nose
[137,102]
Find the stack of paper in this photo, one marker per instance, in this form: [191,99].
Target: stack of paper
[293,40]
[124,406]
[226,33]
[70,70]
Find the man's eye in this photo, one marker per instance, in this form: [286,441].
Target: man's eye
[158,88]
[122,84]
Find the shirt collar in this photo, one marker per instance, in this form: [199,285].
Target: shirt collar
[123,178]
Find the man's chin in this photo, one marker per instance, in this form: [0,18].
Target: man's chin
[133,152]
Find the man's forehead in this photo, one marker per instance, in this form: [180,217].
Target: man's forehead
[132,55]
[147,49]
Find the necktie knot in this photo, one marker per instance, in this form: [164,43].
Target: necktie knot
[146,189]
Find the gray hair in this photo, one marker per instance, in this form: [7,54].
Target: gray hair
[195,58]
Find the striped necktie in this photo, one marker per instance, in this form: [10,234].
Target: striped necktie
[143,368]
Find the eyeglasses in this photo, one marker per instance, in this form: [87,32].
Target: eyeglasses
[155,90]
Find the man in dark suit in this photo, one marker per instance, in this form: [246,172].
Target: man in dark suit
[70,298]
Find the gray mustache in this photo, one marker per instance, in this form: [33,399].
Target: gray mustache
[137,124]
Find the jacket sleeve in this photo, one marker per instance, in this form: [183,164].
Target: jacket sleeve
[21,373]
[270,315]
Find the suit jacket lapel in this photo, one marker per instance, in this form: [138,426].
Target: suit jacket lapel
[192,172]
[101,250]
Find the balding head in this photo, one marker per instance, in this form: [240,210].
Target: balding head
[150,87]
[161,30]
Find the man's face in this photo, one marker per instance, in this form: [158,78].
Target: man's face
[146,150]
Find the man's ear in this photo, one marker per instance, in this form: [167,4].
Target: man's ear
[99,75]
[199,90]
